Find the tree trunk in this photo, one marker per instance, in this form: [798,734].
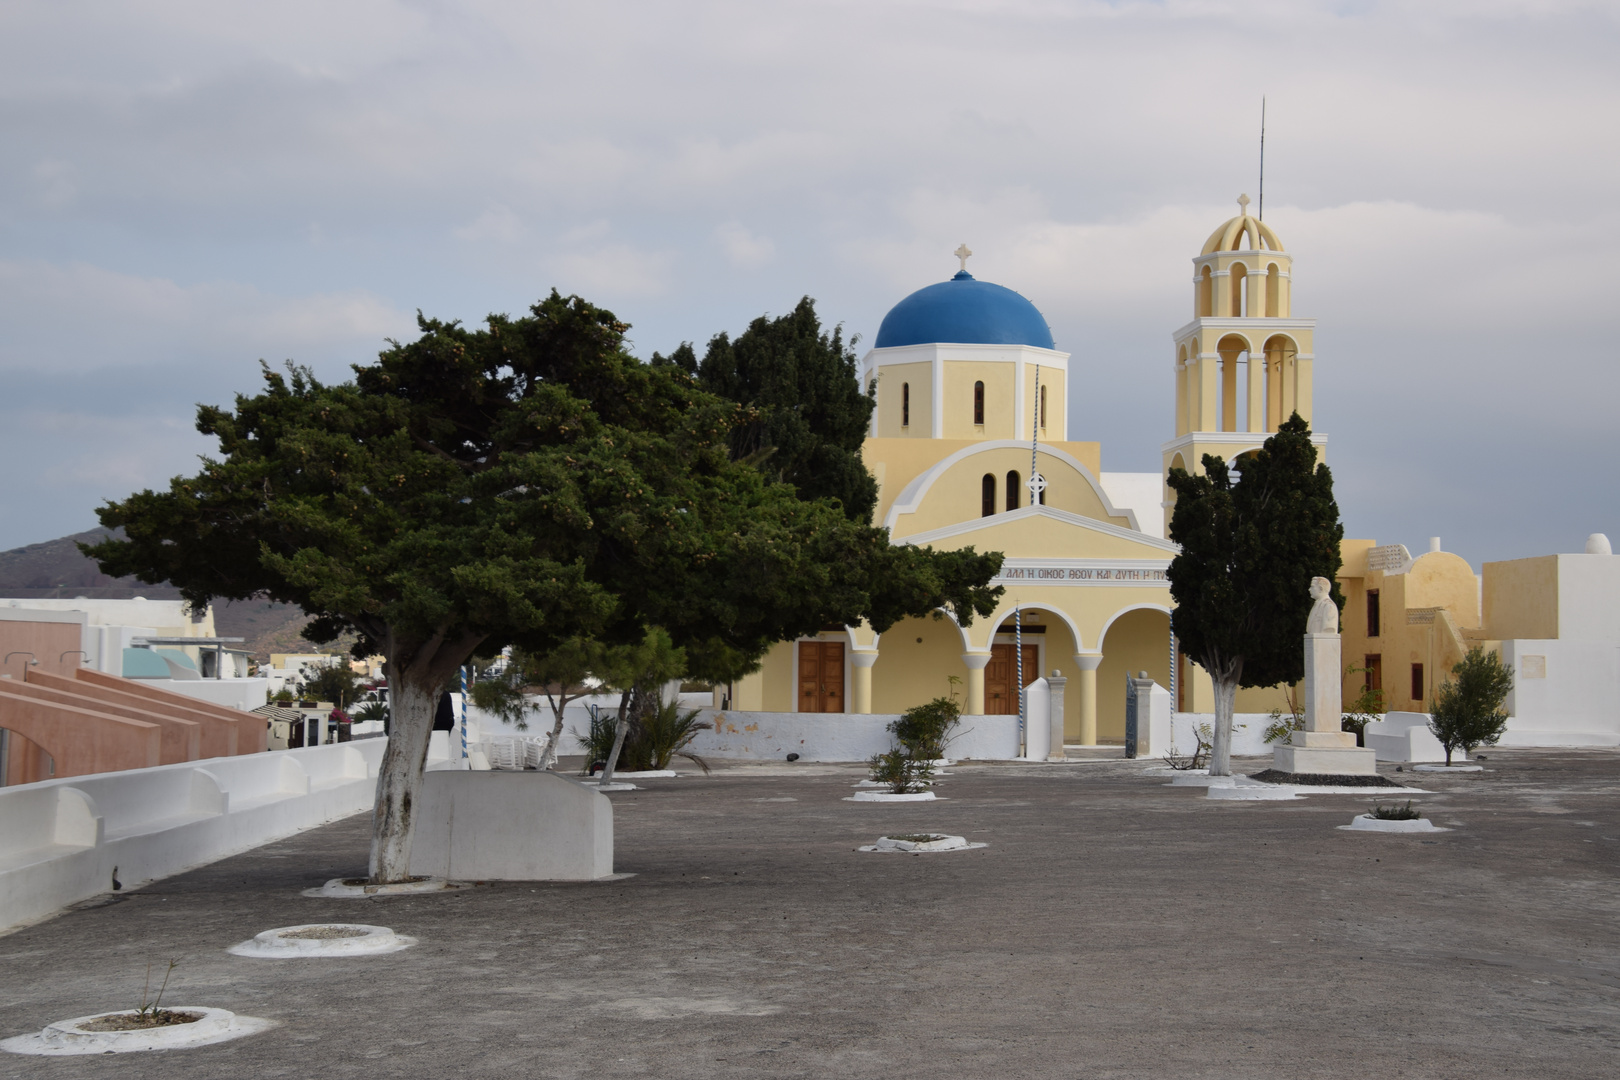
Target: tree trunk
[1220,744]
[549,758]
[618,735]
[399,780]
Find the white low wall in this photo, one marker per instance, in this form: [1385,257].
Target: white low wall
[511,826]
[1404,736]
[771,736]
[61,839]
[1248,734]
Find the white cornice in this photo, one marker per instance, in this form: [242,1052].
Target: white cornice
[928,353]
[1233,322]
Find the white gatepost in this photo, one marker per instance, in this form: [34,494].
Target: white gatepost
[1038,720]
[1054,740]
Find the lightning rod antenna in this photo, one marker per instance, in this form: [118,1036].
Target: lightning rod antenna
[1262,158]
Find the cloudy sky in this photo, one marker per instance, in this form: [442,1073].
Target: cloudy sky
[187,186]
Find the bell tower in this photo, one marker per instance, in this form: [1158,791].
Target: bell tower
[1243,364]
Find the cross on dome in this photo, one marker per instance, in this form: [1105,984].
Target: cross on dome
[963,253]
[1243,205]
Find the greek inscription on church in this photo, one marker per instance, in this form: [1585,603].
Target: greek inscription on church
[1057,574]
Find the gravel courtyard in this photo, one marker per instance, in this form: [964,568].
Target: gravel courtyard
[1114,927]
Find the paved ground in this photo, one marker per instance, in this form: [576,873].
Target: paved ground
[1114,927]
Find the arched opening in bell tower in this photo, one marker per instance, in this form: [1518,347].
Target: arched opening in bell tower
[1232,410]
[1206,294]
[1282,386]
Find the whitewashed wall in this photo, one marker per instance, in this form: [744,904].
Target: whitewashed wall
[1575,699]
[62,838]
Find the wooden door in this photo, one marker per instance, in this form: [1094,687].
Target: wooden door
[1001,678]
[821,676]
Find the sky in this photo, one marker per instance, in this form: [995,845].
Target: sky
[188,187]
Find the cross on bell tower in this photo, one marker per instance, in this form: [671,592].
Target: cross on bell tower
[963,253]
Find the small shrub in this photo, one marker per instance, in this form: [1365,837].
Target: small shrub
[667,733]
[902,773]
[599,741]
[1468,706]
[1396,813]
[1280,729]
[924,730]
[1202,736]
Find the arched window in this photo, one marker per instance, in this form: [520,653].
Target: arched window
[905,404]
[1043,408]
[1236,281]
[987,499]
[1013,487]
[1206,293]
[978,403]
[1273,291]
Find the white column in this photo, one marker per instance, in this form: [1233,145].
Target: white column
[860,675]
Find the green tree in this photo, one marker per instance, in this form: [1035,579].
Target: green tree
[519,484]
[1468,706]
[806,415]
[1249,549]
[335,682]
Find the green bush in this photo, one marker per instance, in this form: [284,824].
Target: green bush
[667,734]
[901,771]
[599,740]
[1468,706]
[1396,813]
[924,730]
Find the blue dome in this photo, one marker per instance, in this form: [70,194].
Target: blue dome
[966,311]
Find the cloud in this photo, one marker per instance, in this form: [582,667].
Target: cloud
[80,317]
[742,247]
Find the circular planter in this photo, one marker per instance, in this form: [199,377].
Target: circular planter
[322,939]
[77,1036]
[351,888]
[890,796]
[940,842]
[1368,823]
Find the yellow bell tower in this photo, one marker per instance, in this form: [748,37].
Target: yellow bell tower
[1243,364]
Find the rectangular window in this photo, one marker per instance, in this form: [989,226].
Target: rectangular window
[1375,671]
[1372,613]
[1417,683]
[905,404]
[978,403]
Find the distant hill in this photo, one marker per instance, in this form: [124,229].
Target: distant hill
[56,569]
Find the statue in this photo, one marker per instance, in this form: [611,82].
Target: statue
[1324,617]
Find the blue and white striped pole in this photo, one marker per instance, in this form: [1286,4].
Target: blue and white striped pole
[465,757]
[1018,637]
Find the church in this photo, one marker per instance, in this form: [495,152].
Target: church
[971,445]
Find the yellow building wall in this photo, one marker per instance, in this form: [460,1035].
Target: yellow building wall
[1137,641]
[897,462]
[956,496]
[999,399]
[910,671]
[891,377]
[1521,598]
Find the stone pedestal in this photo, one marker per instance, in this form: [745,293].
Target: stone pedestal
[1055,685]
[1324,747]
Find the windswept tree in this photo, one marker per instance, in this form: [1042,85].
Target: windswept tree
[806,414]
[1249,548]
[520,484]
